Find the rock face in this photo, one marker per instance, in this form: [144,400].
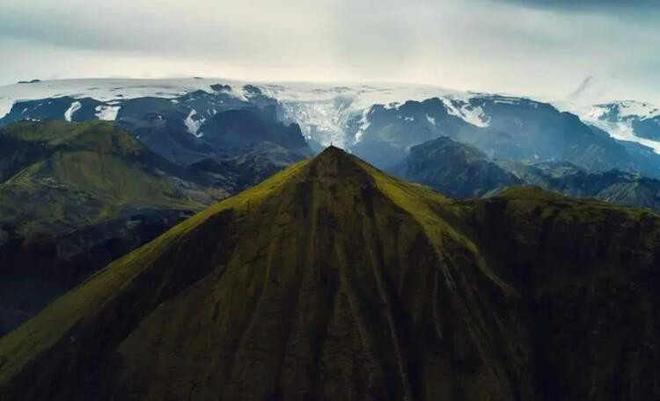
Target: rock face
[332,281]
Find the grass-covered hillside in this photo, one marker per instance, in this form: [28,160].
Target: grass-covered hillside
[84,174]
[73,197]
[334,281]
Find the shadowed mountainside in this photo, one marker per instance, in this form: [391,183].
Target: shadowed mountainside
[75,196]
[462,171]
[332,280]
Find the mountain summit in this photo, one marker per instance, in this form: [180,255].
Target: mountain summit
[334,281]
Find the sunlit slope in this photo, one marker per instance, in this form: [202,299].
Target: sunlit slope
[333,281]
[59,176]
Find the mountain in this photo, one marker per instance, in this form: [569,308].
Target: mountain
[85,172]
[332,280]
[462,171]
[627,120]
[182,120]
[183,125]
[73,197]
[502,127]
[612,186]
[456,170]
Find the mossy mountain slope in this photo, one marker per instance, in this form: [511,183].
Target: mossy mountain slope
[58,176]
[74,197]
[332,280]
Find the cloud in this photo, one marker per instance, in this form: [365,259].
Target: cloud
[487,45]
[588,5]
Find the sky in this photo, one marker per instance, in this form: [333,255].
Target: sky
[562,49]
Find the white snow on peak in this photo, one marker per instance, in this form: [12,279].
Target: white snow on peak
[363,125]
[106,112]
[323,110]
[430,119]
[623,130]
[193,124]
[362,95]
[632,109]
[461,107]
[323,120]
[109,89]
[621,127]
[68,114]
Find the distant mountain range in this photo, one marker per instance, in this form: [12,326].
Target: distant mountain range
[626,120]
[90,169]
[462,171]
[326,113]
[334,281]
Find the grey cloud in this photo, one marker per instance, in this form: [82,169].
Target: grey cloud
[602,5]
[528,47]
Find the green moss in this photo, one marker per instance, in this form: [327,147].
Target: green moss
[41,333]
[332,280]
[90,173]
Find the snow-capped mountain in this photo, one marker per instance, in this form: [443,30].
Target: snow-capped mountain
[322,110]
[379,122]
[626,120]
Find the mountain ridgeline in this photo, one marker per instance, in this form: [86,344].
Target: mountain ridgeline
[76,195]
[334,281]
[506,128]
[189,120]
[462,171]
[189,128]
[73,197]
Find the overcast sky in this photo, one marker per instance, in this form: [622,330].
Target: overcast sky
[543,48]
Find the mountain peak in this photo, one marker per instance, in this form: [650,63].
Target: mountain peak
[335,163]
[333,152]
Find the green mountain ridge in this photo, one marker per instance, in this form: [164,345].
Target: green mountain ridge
[85,174]
[73,197]
[332,280]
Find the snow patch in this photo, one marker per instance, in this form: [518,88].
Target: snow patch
[623,110]
[641,110]
[193,124]
[106,90]
[623,131]
[460,107]
[106,112]
[364,124]
[68,114]
[323,121]
[619,126]
[430,119]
